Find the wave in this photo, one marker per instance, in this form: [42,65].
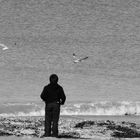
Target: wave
[95,108]
[103,108]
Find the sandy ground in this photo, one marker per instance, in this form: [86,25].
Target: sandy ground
[50,138]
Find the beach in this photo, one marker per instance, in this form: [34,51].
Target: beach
[102,91]
[72,127]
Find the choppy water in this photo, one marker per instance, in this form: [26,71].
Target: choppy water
[96,108]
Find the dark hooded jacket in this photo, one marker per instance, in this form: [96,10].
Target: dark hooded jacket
[53,93]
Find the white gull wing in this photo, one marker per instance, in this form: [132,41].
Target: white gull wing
[76,60]
[4,47]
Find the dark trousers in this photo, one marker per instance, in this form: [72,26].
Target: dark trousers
[52,112]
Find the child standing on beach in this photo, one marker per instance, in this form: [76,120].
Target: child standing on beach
[53,95]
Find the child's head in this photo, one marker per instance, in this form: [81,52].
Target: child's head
[53,78]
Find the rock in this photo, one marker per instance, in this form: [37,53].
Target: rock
[129,134]
[69,135]
[84,124]
[5,133]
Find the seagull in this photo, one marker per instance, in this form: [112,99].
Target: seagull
[4,47]
[76,60]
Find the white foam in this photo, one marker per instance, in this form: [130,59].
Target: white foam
[108,108]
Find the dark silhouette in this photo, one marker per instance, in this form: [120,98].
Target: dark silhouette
[53,95]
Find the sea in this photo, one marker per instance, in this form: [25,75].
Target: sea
[75,109]
[42,37]
[94,97]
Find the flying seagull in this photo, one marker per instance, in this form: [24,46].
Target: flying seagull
[76,60]
[4,47]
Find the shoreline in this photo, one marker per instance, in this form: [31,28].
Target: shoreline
[72,127]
